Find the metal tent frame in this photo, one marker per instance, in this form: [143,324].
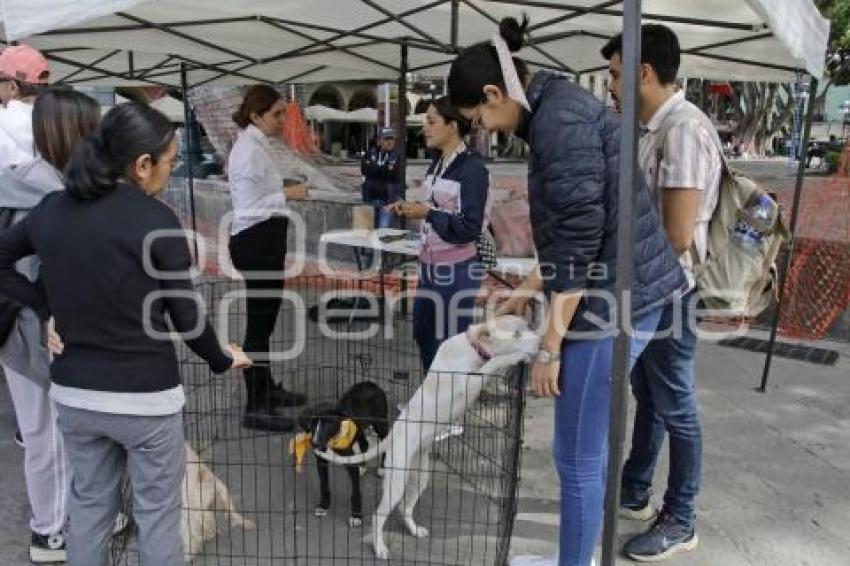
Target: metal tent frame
[323,39]
[239,65]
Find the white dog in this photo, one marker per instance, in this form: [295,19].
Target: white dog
[460,370]
[204,494]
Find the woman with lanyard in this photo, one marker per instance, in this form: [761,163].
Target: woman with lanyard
[573,198]
[258,247]
[454,212]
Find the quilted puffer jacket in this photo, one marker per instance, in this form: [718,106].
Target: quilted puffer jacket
[573,185]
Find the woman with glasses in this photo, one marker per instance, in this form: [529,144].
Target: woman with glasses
[454,214]
[573,196]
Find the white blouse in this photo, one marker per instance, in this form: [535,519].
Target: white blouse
[256,184]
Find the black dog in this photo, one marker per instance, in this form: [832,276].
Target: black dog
[365,404]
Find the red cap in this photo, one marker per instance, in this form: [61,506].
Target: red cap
[25,64]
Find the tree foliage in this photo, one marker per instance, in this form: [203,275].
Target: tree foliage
[760,110]
[838,49]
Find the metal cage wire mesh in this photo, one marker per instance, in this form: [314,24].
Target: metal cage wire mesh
[469,503]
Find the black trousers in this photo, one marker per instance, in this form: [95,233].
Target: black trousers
[261,247]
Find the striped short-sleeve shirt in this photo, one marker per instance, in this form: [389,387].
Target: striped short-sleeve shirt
[691,159]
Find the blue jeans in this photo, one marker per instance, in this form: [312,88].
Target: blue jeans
[383,218]
[581,437]
[663,384]
[434,318]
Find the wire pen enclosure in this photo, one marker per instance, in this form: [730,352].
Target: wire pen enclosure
[252,497]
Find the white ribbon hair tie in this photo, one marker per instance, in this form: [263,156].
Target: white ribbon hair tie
[506,62]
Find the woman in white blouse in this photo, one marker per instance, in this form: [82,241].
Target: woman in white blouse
[258,246]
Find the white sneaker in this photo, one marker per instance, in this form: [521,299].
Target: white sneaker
[532,560]
[47,549]
[539,561]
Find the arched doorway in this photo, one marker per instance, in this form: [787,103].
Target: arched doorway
[364,98]
[326,95]
[357,134]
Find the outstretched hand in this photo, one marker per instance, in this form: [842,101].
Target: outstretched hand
[395,207]
[412,210]
[240,360]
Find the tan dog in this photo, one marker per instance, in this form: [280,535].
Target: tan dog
[204,495]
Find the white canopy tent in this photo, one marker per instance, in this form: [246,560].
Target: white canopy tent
[320,113]
[119,42]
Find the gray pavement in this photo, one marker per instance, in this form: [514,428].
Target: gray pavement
[777,468]
[14,508]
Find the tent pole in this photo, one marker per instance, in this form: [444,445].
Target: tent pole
[792,226]
[386,87]
[625,275]
[401,135]
[187,153]
[455,16]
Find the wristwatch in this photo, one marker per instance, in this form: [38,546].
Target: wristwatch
[544,356]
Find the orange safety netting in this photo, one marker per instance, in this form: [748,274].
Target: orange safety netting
[297,133]
[817,291]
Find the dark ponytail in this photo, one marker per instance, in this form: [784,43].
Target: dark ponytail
[514,32]
[60,119]
[478,65]
[127,132]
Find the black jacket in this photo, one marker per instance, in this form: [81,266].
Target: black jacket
[102,265]
[573,196]
[383,182]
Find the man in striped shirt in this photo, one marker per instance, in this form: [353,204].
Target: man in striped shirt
[679,155]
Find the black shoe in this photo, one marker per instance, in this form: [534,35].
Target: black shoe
[636,507]
[262,390]
[19,440]
[664,539]
[47,549]
[267,418]
[284,398]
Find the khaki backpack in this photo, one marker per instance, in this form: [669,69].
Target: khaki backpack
[745,235]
